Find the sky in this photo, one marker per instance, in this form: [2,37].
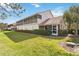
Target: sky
[57,9]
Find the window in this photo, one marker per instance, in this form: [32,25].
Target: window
[49,27]
[54,29]
[39,16]
[33,20]
[24,21]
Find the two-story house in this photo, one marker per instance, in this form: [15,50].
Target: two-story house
[42,20]
[32,22]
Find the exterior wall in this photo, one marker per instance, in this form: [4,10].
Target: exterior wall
[29,24]
[62,25]
[45,15]
[32,26]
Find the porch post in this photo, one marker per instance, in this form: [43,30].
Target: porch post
[44,27]
[57,29]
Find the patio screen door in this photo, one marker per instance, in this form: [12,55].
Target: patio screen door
[54,30]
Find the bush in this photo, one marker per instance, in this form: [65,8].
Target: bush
[66,32]
[25,31]
[7,30]
[42,32]
[63,32]
[71,31]
[39,32]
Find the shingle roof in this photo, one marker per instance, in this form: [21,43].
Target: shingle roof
[51,21]
[38,13]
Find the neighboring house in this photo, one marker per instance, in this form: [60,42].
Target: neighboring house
[11,27]
[42,20]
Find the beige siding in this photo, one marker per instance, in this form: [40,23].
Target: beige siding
[63,25]
[45,15]
[32,23]
[28,24]
[32,26]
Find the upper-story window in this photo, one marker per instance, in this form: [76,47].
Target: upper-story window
[20,22]
[31,20]
[39,16]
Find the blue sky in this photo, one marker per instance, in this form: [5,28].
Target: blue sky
[57,9]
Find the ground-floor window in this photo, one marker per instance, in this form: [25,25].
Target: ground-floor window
[48,27]
[41,27]
[54,29]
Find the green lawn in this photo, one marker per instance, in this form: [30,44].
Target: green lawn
[24,44]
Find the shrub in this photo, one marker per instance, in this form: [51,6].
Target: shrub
[42,32]
[66,32]
[25,31]
[39,31]
[71,31]
[63,32]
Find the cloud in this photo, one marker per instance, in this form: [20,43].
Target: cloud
[58,11]
[36,5]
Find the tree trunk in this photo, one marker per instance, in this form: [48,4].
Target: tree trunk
[69,27]
[76,33]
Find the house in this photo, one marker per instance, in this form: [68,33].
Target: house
[11,27]
[42,20]
[32,22]
[54,24]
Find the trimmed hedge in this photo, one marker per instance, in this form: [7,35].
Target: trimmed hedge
[25,31]
[48,32]
[39,32]
[42,32]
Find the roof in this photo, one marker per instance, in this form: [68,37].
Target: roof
[38,13]
[28,17]
[52,21]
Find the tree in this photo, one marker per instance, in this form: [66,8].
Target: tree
[71,17]
[3,26]
[68,20]
[7,10]
[75,16]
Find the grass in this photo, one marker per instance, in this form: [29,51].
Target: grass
[75,40]
[24,44]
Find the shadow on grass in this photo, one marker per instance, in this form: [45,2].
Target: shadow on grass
[55,37]
[18,36]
